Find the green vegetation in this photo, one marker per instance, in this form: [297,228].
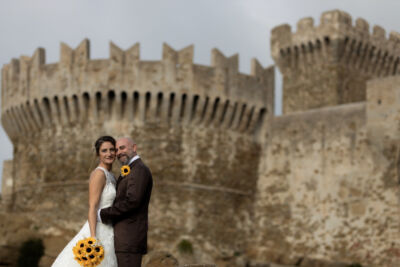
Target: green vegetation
[30,253]
[185,247]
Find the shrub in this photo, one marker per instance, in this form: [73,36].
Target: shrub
[185,247]
[30,253]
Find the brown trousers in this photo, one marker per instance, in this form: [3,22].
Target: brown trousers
[129,259]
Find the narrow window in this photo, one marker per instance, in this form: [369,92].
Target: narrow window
[124,97]
[260,120]
[147,105]
[98,103]
[215,109]
[171,104]
[37,108]
[75,103]
[67,109]
[110,102]
[86,104]
[58,109]
[250,118]
[183,106]
[233,115]
[135,104]
[194,106]
[159,104]
[241,114]
[47,108]
[224,111]
[203,113]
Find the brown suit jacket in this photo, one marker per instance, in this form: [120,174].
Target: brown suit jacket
[129,212]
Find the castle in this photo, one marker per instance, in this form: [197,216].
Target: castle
[317,185]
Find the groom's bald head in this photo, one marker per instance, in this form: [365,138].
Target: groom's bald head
[126,140]
[126,149]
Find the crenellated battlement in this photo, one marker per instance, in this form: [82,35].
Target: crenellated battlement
[77,88]
[332,61]
[354,44]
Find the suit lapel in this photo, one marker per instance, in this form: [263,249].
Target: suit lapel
[132,165]
[118,181]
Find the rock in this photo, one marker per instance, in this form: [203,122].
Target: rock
[160,259]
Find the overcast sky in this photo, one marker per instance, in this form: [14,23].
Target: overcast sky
[233,26]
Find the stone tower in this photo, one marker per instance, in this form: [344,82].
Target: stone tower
[197,128]
[318,186]
[329,64]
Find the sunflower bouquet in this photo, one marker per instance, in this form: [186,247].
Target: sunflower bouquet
[88,252]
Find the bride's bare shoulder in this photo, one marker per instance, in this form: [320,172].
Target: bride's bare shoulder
[97,175]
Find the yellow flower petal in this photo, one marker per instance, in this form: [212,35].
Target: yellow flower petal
[90,241]
[81,243]
[125,170]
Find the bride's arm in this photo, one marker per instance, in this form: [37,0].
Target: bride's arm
[96,185]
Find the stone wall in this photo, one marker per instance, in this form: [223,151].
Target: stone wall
[328,186]
[199,195]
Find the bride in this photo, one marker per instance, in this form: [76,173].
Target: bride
[101,195]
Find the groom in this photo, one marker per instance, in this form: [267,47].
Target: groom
[129,212]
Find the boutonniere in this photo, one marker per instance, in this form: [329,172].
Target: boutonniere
[125,170]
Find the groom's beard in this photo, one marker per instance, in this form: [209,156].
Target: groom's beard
[124,159]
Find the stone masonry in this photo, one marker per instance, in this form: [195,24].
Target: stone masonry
[316,186]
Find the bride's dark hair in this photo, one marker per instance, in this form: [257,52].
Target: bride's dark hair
[102,140]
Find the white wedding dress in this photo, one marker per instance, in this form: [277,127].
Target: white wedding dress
[104,232]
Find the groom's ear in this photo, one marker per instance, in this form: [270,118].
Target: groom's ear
[134,148]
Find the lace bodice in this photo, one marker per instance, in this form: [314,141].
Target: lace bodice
[108,194]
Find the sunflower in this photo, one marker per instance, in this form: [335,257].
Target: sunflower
[89,251]
[78,253]
[95,261]
[81,243]
[101,252]
[125,170]
[98,250]
[90,241]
